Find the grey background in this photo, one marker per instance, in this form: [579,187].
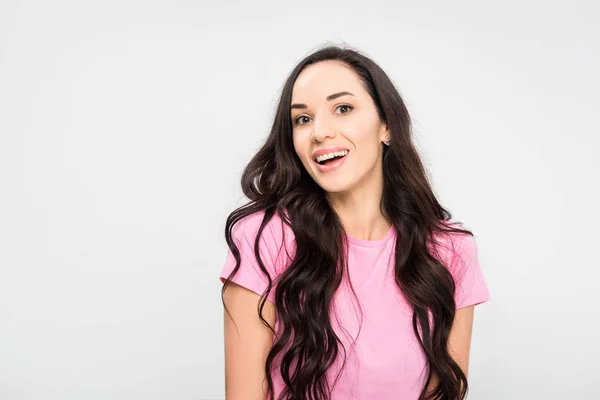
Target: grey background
[124,127]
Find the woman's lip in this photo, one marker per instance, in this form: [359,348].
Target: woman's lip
[332,165]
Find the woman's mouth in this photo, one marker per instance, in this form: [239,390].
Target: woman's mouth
[332,161]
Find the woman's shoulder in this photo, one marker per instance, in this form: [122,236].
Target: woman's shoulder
[276,228]
[450,244]
[276,237]
[459,253]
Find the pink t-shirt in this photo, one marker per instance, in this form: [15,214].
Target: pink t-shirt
[386,361]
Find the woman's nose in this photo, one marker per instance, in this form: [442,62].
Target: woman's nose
[322,130]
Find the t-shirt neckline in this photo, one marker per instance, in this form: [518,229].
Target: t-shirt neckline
[372,243]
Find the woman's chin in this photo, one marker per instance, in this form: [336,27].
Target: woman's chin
[334,187]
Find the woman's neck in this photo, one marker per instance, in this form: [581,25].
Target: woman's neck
[360,211]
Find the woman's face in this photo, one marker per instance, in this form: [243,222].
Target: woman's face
[332,112]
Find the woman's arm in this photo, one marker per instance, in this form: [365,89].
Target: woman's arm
[247,344]
[459,341]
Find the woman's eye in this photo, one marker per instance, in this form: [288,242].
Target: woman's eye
[298,119]
[349,107]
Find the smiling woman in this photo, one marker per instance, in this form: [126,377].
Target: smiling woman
[345,277]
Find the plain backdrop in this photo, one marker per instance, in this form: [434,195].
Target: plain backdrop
[124,128]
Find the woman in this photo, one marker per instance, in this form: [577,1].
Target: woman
[345,278]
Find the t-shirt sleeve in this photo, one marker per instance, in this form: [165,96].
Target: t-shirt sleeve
[249,274]
[471,288]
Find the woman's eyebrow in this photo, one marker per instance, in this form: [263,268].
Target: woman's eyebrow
[329,98]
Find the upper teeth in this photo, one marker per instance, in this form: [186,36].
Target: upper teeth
[331,155]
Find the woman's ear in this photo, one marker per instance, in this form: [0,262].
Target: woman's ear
[385,135]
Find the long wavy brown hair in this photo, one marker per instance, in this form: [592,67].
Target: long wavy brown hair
[275,181]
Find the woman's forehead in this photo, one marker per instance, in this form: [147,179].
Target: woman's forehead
[317,81]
